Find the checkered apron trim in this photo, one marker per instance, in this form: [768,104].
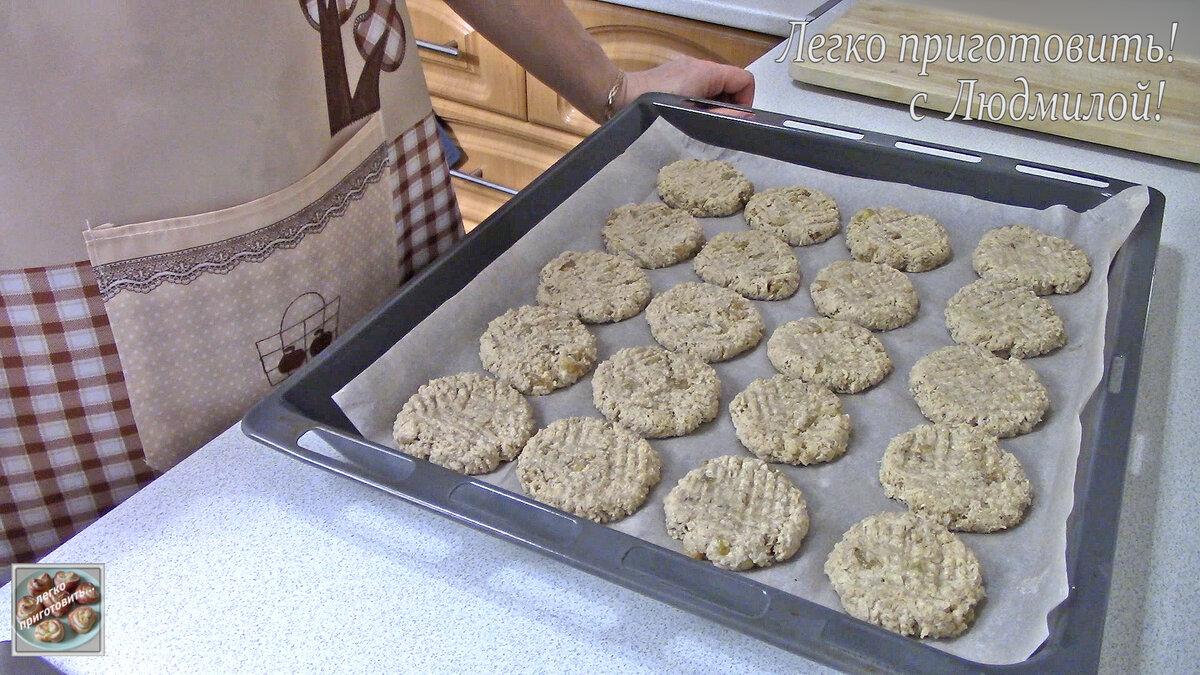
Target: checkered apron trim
[428,222]
[69,449]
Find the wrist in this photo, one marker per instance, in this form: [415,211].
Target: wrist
[616,97]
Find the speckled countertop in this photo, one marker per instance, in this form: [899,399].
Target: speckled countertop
[240,559]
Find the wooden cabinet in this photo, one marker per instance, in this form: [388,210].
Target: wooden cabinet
[500,150]
[637,40]
[468,69]
[511,126]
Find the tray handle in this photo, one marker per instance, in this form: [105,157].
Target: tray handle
[446,492]
[771,615]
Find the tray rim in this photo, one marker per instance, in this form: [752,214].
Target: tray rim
[817,632]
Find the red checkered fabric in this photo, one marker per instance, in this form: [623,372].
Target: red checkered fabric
[69,449]
[428,222]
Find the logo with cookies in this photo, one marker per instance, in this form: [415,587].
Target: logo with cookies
[58,609]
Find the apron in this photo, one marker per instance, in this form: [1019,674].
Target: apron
[299,136]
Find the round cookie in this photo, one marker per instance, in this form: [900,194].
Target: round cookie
[704,187]
[965,384]
[589,467]
[596,287]
[706,321]
[655,392]
[737,512]
[1005,318]
[750,262]
[871,295]
[466,422]
[799,216]
[906,574]
[653,235]
[910,242]
[841,355]
[537,349]
[1043,262]
[957,476]
[784,419]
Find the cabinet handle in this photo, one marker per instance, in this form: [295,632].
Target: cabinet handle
[477,180]
[448,48]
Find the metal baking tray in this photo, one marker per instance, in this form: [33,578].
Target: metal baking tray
[303,405]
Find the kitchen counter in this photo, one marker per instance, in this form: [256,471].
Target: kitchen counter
[241,559]
[763,16]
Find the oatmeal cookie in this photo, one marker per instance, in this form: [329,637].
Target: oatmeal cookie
[738,513]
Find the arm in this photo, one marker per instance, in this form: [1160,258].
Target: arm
[546,38]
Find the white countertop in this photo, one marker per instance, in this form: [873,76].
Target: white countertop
[241,559]
[763,16]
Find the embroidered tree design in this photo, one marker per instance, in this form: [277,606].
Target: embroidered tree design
[380,38]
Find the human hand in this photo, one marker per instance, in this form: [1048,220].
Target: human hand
[687,76]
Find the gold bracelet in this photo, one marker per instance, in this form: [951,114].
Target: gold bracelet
[610,107]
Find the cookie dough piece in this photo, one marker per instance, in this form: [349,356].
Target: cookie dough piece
[466,422]
[1043,262]
[82,619]
[957,476]
[589,467]
[653,235]
[594,286]
[88,594]
[798,215]
[869,294]
[965,384]
[908,575]
[750,262]
[537,349]
[910,242]
[655,392]
[841,355]
[40,584]
[58,602]
[784,419]
[50,630]
[737,512]
[1005,318]
[66,580]
[706,321]
[704,187]
[28,607]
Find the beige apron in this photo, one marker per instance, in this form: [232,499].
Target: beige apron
[136,331]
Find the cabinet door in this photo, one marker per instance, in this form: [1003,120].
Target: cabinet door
[476,72]
[500,150]
[636,40]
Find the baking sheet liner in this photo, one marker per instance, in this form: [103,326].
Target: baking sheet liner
[1024,568]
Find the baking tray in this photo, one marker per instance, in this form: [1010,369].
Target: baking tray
[303,406]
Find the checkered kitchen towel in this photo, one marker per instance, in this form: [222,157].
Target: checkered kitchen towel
[69,450]
[427,216]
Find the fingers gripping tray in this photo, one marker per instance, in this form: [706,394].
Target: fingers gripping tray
[431,325]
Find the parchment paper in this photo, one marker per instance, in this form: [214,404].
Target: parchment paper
[1024,568]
